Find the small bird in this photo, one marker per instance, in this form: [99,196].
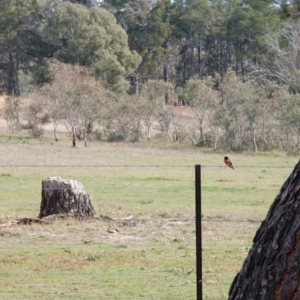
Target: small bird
[228,162]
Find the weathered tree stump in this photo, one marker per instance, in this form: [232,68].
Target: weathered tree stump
[271,270]
[65,197]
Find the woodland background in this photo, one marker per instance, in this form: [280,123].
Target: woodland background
[118,70]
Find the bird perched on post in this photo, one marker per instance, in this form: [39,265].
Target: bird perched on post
[228,162]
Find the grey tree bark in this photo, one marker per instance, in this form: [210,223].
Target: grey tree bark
[271,270]
[65,197]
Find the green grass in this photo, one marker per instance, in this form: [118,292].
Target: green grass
[93,272]
[152,256]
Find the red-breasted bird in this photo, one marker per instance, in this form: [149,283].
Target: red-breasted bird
[228,162]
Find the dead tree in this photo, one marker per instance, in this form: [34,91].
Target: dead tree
[271,270]
[65,197]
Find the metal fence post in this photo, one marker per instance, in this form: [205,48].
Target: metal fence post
[198,231]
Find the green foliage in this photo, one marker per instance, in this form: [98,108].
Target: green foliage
[201,96]
[16,19]
[246,27]
[91,37]
[156,46]
[173,41]
[44,74]
[122,120]
[243,115]
[98,135]
[238,115]
[288,117]
[153,41]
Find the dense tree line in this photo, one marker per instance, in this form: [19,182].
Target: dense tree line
[168,40]
[107,69]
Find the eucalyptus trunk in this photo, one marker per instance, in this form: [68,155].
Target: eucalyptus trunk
[271,269]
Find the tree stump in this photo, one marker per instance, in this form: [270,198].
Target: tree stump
[271,270]
[65,197]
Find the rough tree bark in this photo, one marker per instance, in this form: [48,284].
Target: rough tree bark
[272,269]
[65,197]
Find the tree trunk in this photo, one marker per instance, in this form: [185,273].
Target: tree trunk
[65,197]
[74,140]
[199,60]
[272,269]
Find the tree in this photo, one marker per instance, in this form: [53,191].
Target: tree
[91,37]
[246,27]
[129,13]
[75,98]
[287,113]
[203,98]
[17,18]
[35,114]
[214,36]
[271,269]
[194,21]
[132,117]
[238,116]
[284,46]
[11,113]
[153,98]
[122,119]
[150,33]
[290,9]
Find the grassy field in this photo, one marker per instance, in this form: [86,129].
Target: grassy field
[146,192]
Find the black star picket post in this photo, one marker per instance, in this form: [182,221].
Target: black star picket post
[198,231]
